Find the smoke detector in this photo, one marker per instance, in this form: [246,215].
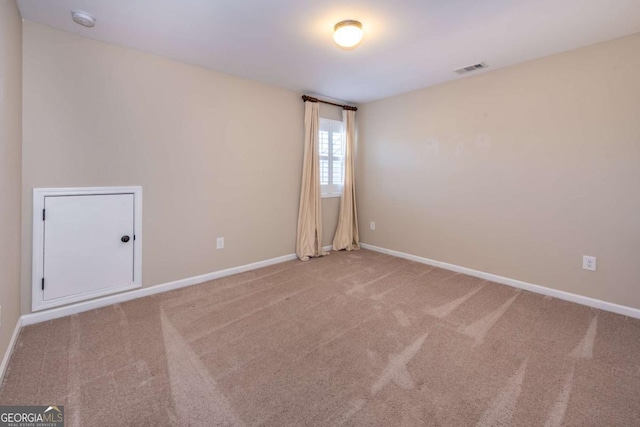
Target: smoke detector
[83,18]
[470,68]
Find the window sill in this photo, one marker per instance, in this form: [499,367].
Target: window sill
[330,195]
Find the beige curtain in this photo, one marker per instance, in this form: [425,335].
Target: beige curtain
[347,236]
[309,237]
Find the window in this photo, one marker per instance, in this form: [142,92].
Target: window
[331,157]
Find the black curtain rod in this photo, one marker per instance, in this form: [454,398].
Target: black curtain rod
[312,99]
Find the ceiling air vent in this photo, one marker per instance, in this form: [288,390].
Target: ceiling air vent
[470,68]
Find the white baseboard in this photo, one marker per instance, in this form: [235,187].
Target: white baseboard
[43,316]
[567,296]
[7,353]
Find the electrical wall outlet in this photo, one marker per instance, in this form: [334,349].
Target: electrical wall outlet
[220,243]
[372,225]
[589,263]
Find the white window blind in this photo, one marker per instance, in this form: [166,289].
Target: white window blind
[331,157]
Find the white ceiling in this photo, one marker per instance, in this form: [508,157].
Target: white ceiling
[408,44]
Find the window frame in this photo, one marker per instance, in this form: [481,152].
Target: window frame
[332,127]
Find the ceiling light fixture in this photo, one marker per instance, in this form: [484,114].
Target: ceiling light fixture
[83,18]
[347,33]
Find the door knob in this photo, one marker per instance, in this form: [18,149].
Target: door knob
[124,239]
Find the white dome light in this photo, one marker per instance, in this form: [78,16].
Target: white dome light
[348,33]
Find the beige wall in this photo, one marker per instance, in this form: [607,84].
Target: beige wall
[10,166]
[517,172]
[216,155]
[330,210]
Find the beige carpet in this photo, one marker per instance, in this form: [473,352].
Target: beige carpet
[355,338]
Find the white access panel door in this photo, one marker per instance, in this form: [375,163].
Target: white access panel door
[88,244]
